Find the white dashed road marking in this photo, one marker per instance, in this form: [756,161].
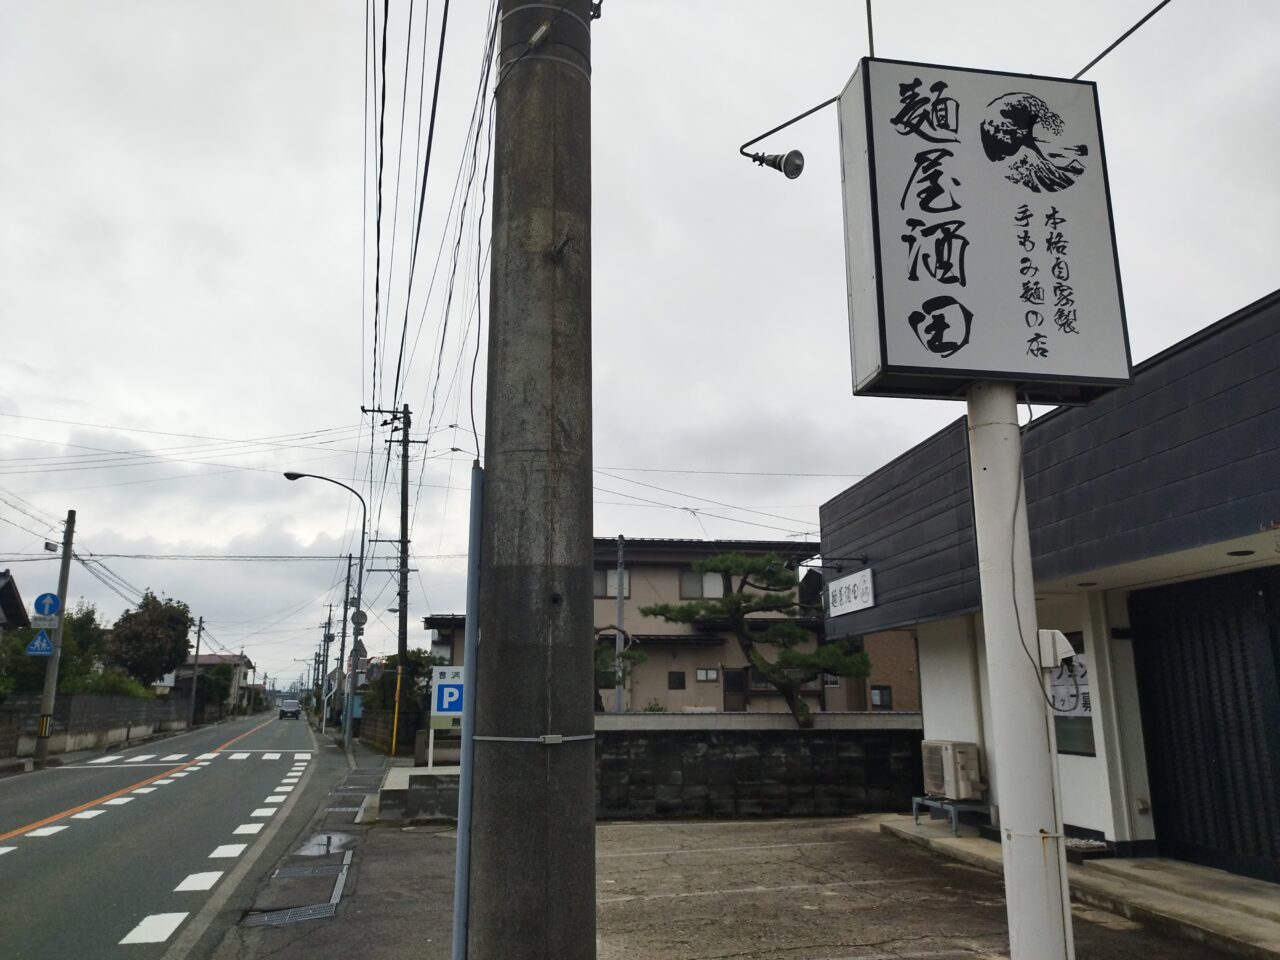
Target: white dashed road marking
[227,850]
[118,801]
[239,756]
[4,850]
[271,756]
[106,759]
[275,798]
[45,831]
[249,828]
[156,928]
[199,881]
[302,756]
[181,773]
[283,790]
[173,756]
[140,757]
[145,790]
[161,783]
[207,756]
[87,814]
[263,812]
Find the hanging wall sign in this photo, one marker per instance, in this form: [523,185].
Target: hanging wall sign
[849,593]
[978,234]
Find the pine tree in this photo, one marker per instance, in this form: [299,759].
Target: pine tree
[759,607]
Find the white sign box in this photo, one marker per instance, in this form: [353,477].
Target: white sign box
[978,234]
[847,594]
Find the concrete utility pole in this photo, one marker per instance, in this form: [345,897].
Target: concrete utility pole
[342,643]
[50,691]
[324,669]
[195,676]
[1035,863]
[617,637]
[402,636]
[235,684]
[532,890]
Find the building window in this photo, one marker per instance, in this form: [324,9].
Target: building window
[881,698]
[605,584]
[830,680]
[700,586]
[675,680]
[708,675]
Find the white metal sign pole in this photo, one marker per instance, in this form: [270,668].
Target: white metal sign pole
[1035,874]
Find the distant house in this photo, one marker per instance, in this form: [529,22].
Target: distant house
[695,669]
[13,612]
[240,697]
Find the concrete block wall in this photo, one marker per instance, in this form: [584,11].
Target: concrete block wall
[10,721]
[644,774]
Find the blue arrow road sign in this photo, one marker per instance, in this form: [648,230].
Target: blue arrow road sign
[40,645]
[47,604]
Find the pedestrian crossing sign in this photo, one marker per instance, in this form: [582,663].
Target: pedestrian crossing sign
[40,646]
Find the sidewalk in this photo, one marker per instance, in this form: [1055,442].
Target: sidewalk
[1198,903]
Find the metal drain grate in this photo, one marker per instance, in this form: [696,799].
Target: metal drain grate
[278,918]
[342,810]
[327,870]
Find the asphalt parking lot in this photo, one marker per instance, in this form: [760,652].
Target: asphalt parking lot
[830,889]
[818,890]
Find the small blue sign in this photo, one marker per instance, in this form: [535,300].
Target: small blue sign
[47,604]
[448,698]
[40,645]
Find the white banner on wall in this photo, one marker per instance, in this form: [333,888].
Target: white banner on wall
[978,234]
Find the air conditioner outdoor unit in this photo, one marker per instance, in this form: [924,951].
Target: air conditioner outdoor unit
[951,770]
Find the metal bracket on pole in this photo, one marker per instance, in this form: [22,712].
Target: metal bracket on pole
[782,126]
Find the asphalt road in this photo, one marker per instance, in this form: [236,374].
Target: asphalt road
[145,852]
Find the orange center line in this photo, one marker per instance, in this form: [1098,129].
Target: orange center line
[123,790]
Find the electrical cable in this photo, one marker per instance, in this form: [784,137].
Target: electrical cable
[395,203]
[680,493]
[426,170]
[377,233]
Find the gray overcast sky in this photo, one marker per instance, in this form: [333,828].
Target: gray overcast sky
[181,271]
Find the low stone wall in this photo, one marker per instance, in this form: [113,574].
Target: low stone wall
[84,721]
[729,765]
[10,720]
[375,730]
[699,771]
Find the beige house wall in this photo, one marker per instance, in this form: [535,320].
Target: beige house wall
[656,579]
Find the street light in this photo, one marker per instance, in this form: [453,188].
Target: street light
[364,521]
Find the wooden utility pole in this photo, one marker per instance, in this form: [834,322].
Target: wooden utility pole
[532,889]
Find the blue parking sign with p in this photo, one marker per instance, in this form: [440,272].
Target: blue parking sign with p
[448,698]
